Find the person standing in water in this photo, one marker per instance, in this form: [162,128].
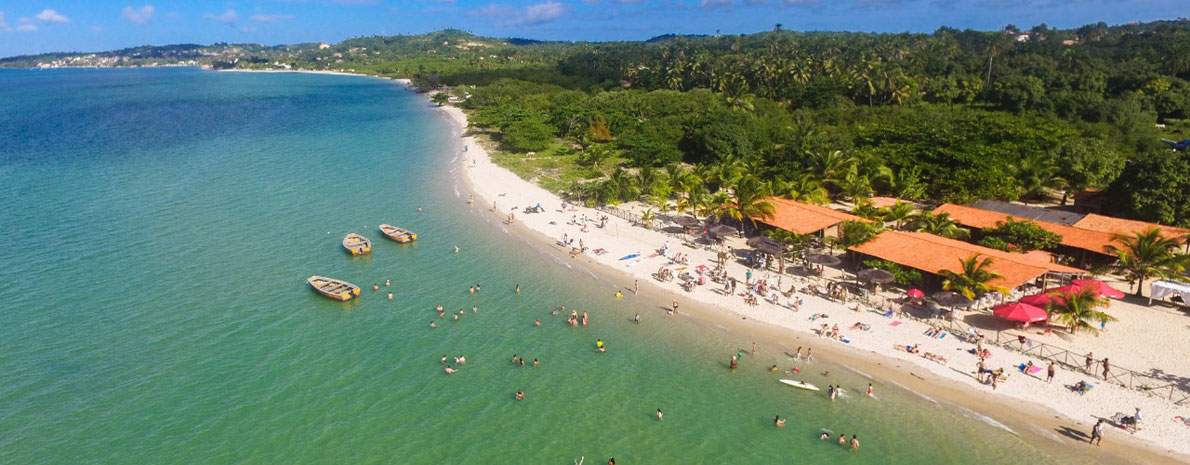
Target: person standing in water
[842,439]
[854,442]
[753,348]
[660,416]
[869,389]
[637,319]
[518,289]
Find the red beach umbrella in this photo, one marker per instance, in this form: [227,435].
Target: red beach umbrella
[1050,295]
[1017,311]
[1101,287]
[916,293]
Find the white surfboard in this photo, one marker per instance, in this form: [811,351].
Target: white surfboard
[799,384]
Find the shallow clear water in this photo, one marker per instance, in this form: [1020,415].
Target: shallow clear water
[158,229]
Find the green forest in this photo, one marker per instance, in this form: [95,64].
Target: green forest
[713,122]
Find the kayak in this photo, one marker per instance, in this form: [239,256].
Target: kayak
[630,256]
[799,384]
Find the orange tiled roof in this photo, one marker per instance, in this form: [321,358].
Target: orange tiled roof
[1110,225]
[805,218]
[881,202]
[1073,236]
[933,254]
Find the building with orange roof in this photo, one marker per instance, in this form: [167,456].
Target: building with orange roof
[804,218]
[934,254]
[1072,236]
[1110,225]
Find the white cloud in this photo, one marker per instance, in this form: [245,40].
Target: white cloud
[542,13]
[142,15]
[228,17]
[51,16]
[262,18]
[4,27]
[532,15]
[26,25]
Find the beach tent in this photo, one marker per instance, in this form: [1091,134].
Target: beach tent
[1163,289]
[1017,311]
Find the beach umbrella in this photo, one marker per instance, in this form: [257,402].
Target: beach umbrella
[687,221]
[823,259]
[1101,287]
[1050,295]
[874,275]
[951,299]
[722,230]
[766,245]
[1016,311]
[915,293]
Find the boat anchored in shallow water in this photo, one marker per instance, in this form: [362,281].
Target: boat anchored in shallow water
[398,234]
[357,244]
[333,288]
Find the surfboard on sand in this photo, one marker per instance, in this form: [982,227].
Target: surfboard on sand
[799,384]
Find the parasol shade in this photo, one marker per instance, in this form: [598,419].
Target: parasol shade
[687,221]
[1101,287]
[1017,311]
[823,259]
[874,275]
[766,245]
[951,299]
[722,230]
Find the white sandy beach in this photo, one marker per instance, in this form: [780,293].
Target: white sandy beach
[1160,430]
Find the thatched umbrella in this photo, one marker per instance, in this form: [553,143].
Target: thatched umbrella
[771,247]
[875,276]
[823,259]
[687,221]
[951,299]
[722,230]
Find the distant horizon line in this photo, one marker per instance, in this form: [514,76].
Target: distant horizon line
[655,36]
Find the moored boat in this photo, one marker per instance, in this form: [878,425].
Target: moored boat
[357,244]
[398,234]
[333,288]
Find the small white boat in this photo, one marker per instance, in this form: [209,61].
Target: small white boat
[357,244]
[799,384]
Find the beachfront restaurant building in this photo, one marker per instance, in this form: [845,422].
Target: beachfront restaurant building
[1084,236]
[934,254]
[803,218]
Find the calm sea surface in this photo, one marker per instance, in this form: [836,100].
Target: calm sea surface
[155,237]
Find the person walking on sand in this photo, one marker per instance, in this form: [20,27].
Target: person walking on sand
[809,354]
[1049,372]
[1097,432]
[870,390]
[1106,369]
[1090,361]
[798,355]
[753,348]
[635,286]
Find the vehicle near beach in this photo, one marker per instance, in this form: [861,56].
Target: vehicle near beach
[333,288]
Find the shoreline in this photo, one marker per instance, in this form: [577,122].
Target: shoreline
[1021,414]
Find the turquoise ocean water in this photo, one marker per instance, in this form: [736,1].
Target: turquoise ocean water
[159,225]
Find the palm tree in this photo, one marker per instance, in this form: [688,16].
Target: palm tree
[856,233]
[1146,254]
[898,213]
[856,186]
[647,218]
[938,225]
[868,211]
[1077,309]
[831,167]
[804,189]
[973,278]
[1037,177]
[626,188]
[747,201]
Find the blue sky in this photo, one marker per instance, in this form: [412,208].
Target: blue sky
[93,25]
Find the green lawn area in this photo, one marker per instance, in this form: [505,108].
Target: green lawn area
[554,169]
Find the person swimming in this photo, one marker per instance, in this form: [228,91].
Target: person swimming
[535,362]
[825,436]
[449,370]
[842,439]
[778,421]
[637,318]
[536,322]
[660,416]
[854,442]
[599,343]
[520,395]
[433,325]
